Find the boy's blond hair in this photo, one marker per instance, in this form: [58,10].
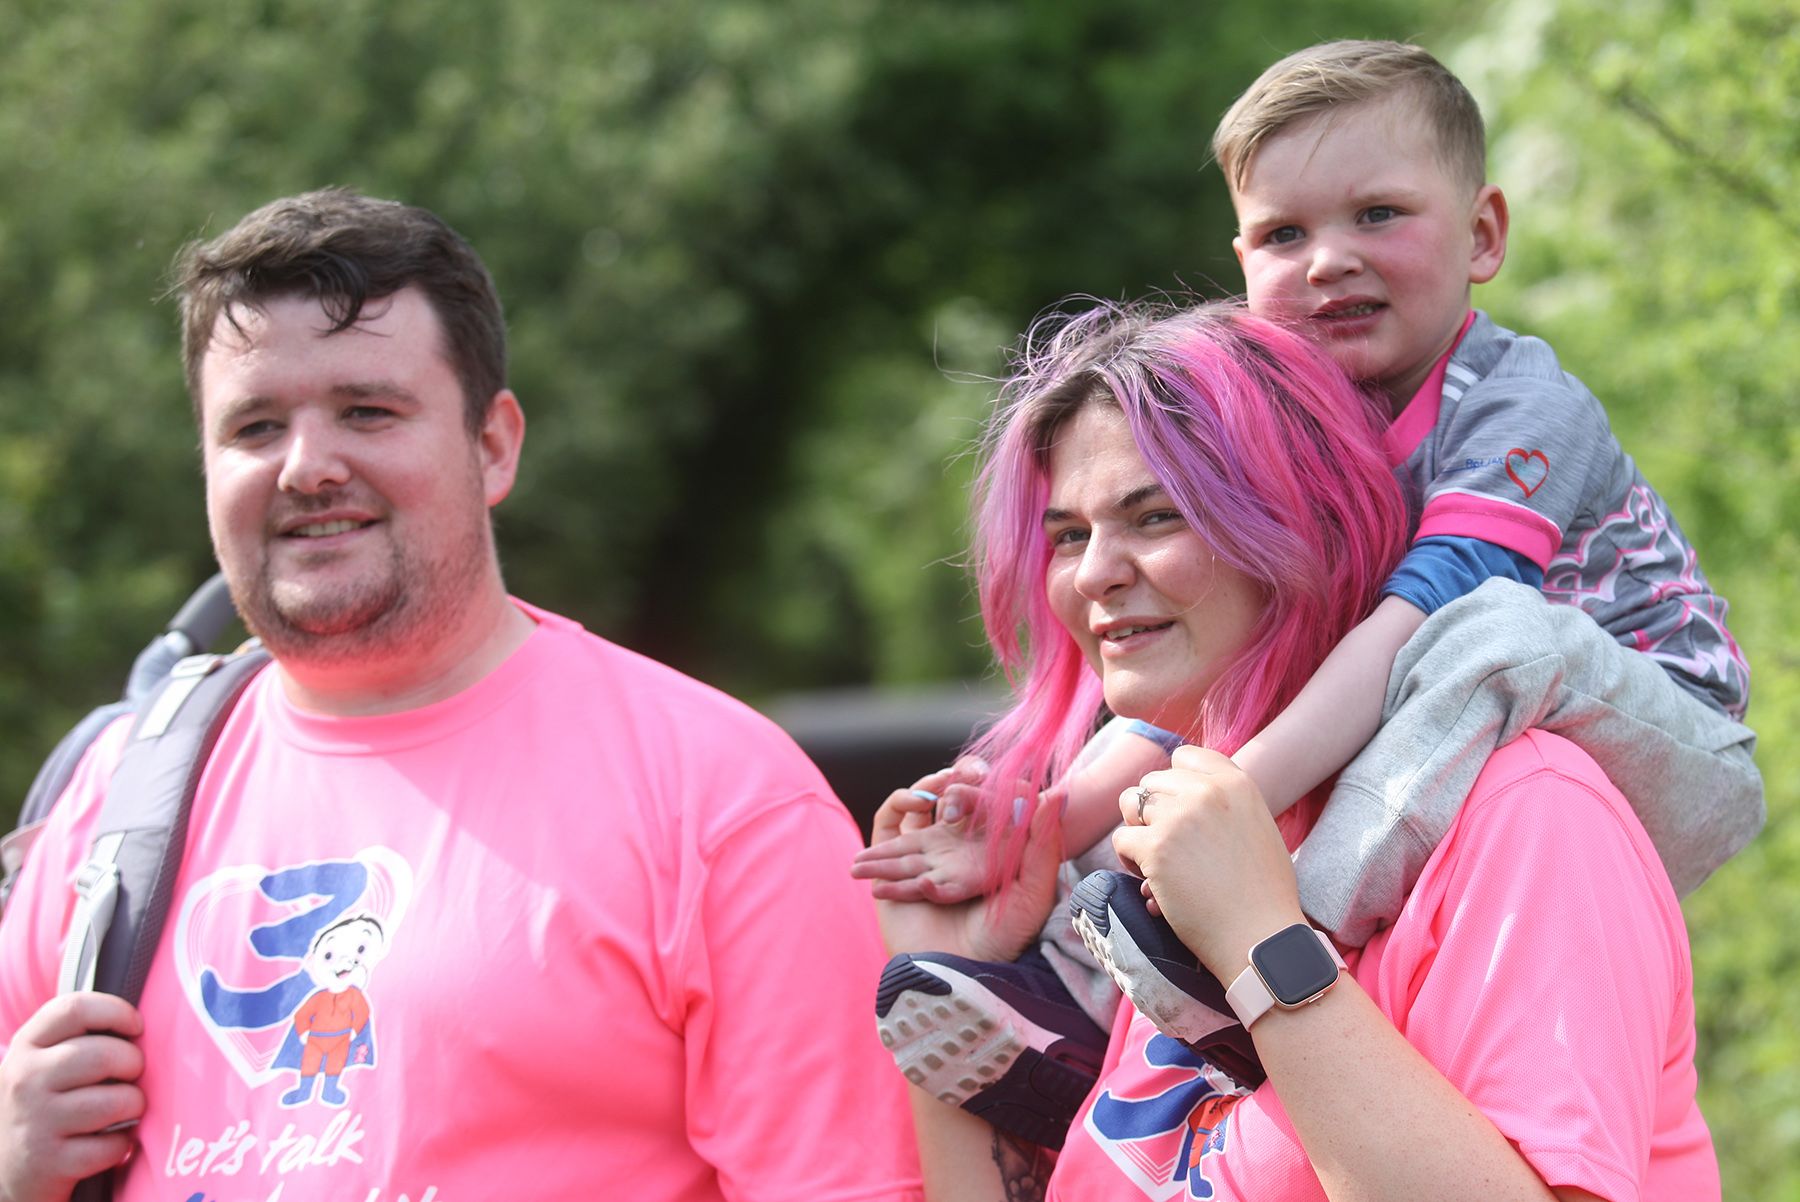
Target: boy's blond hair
[1334,74]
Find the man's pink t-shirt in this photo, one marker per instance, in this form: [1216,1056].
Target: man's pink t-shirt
[614,952]
[1541,963]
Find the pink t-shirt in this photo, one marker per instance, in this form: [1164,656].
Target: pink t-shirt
[600,929]
[1541,963]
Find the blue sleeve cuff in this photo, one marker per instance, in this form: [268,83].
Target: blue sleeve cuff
[1442,568]
[1167,740]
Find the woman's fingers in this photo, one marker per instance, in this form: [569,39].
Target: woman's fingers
[1212,859]
[910,890]
[903,810]
[905,844]
[1043,850]
[890,868]
[947,795]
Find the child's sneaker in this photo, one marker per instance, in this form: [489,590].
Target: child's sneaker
[1159,974]
[1002,1041]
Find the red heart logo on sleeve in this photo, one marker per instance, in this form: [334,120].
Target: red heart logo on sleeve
[1528,469]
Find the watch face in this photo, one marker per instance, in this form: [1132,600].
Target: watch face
[1294,965]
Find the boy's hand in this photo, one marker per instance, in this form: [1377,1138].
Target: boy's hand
[69,1073]
[986,928]
[923,846]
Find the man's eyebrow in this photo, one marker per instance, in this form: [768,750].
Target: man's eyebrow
[362,390]
[1124,504]
[235,411]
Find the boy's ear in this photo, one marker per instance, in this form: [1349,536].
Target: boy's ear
[1488,223]
[1237,248]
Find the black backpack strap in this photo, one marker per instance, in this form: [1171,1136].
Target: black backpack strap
[124,890]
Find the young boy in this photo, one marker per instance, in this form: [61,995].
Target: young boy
[1357,173]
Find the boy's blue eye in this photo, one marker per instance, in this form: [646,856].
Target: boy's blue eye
[1282,235]
[1381,213]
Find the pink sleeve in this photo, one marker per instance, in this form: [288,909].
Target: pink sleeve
[790,1094]
[1492,520]
[1551,984]
[31,935]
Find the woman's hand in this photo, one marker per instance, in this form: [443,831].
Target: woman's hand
[927,843]
[996,927]
[1213,859]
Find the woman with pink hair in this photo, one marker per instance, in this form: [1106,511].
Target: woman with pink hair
[1180,514]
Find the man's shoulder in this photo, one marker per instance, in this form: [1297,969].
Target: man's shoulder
[672,720]
[649,685]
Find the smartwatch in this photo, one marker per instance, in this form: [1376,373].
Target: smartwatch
[1290,968]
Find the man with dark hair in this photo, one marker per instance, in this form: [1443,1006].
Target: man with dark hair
[591,980]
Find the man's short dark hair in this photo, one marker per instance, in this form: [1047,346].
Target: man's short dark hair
[344,250]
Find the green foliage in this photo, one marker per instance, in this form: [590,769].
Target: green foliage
[1652,154]
[740,245]
[760,260]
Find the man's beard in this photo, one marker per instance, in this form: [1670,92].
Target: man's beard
[407,603]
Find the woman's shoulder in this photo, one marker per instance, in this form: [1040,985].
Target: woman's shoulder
[1543,805]
[1549,761]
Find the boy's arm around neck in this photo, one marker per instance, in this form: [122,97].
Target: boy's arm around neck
[1337,712]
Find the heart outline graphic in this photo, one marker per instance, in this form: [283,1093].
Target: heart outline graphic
[229,903]
[1525,457]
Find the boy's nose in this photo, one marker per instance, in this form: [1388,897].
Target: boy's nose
[1331,260]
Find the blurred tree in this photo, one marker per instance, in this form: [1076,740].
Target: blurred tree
[1652,155]
[741,245]
[760,261]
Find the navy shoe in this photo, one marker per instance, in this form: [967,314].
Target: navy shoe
[1005,1042]
[1160,975]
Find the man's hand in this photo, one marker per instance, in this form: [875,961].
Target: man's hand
[69,1073]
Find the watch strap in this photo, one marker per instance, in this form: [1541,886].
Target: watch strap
[1250,997]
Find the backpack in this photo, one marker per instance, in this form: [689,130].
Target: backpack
[181,699]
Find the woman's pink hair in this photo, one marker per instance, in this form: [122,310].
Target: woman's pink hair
[1262,444]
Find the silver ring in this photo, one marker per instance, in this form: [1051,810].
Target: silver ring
[1143,796]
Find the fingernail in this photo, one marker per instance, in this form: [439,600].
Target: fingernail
[952,812]
[1018,810]
[926,794]
[980,765]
